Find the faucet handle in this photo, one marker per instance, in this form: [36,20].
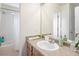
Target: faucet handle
[76,34]
[46,38]
[51,40]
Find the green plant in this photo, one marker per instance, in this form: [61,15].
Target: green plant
[77,45]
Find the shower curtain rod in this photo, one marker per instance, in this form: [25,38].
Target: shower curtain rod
[9,9]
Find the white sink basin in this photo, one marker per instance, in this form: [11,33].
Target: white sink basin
[45,45]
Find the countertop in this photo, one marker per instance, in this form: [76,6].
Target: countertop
[62,51]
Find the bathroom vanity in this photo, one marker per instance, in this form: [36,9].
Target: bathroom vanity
[34,50]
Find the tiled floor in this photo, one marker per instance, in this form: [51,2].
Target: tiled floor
[8,51]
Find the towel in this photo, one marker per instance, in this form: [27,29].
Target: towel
[1,39]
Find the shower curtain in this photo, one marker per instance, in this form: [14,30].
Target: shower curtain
[7,28]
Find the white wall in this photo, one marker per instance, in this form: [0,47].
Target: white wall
[57,20]
[46,17]
[68,20]
[54,27]
[63,10]
[77,19]
[65,20]
[30,21]
[49,19]
[72,22]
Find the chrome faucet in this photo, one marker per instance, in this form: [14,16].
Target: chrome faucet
[51,40]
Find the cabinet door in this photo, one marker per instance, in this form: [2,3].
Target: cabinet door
[29,50]
[36,52]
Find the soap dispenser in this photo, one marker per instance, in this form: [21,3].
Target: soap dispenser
[65,38]
[60,41]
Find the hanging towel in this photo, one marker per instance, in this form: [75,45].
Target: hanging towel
[1,39]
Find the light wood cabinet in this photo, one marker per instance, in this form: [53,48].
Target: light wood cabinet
[31,51]
[36,52]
